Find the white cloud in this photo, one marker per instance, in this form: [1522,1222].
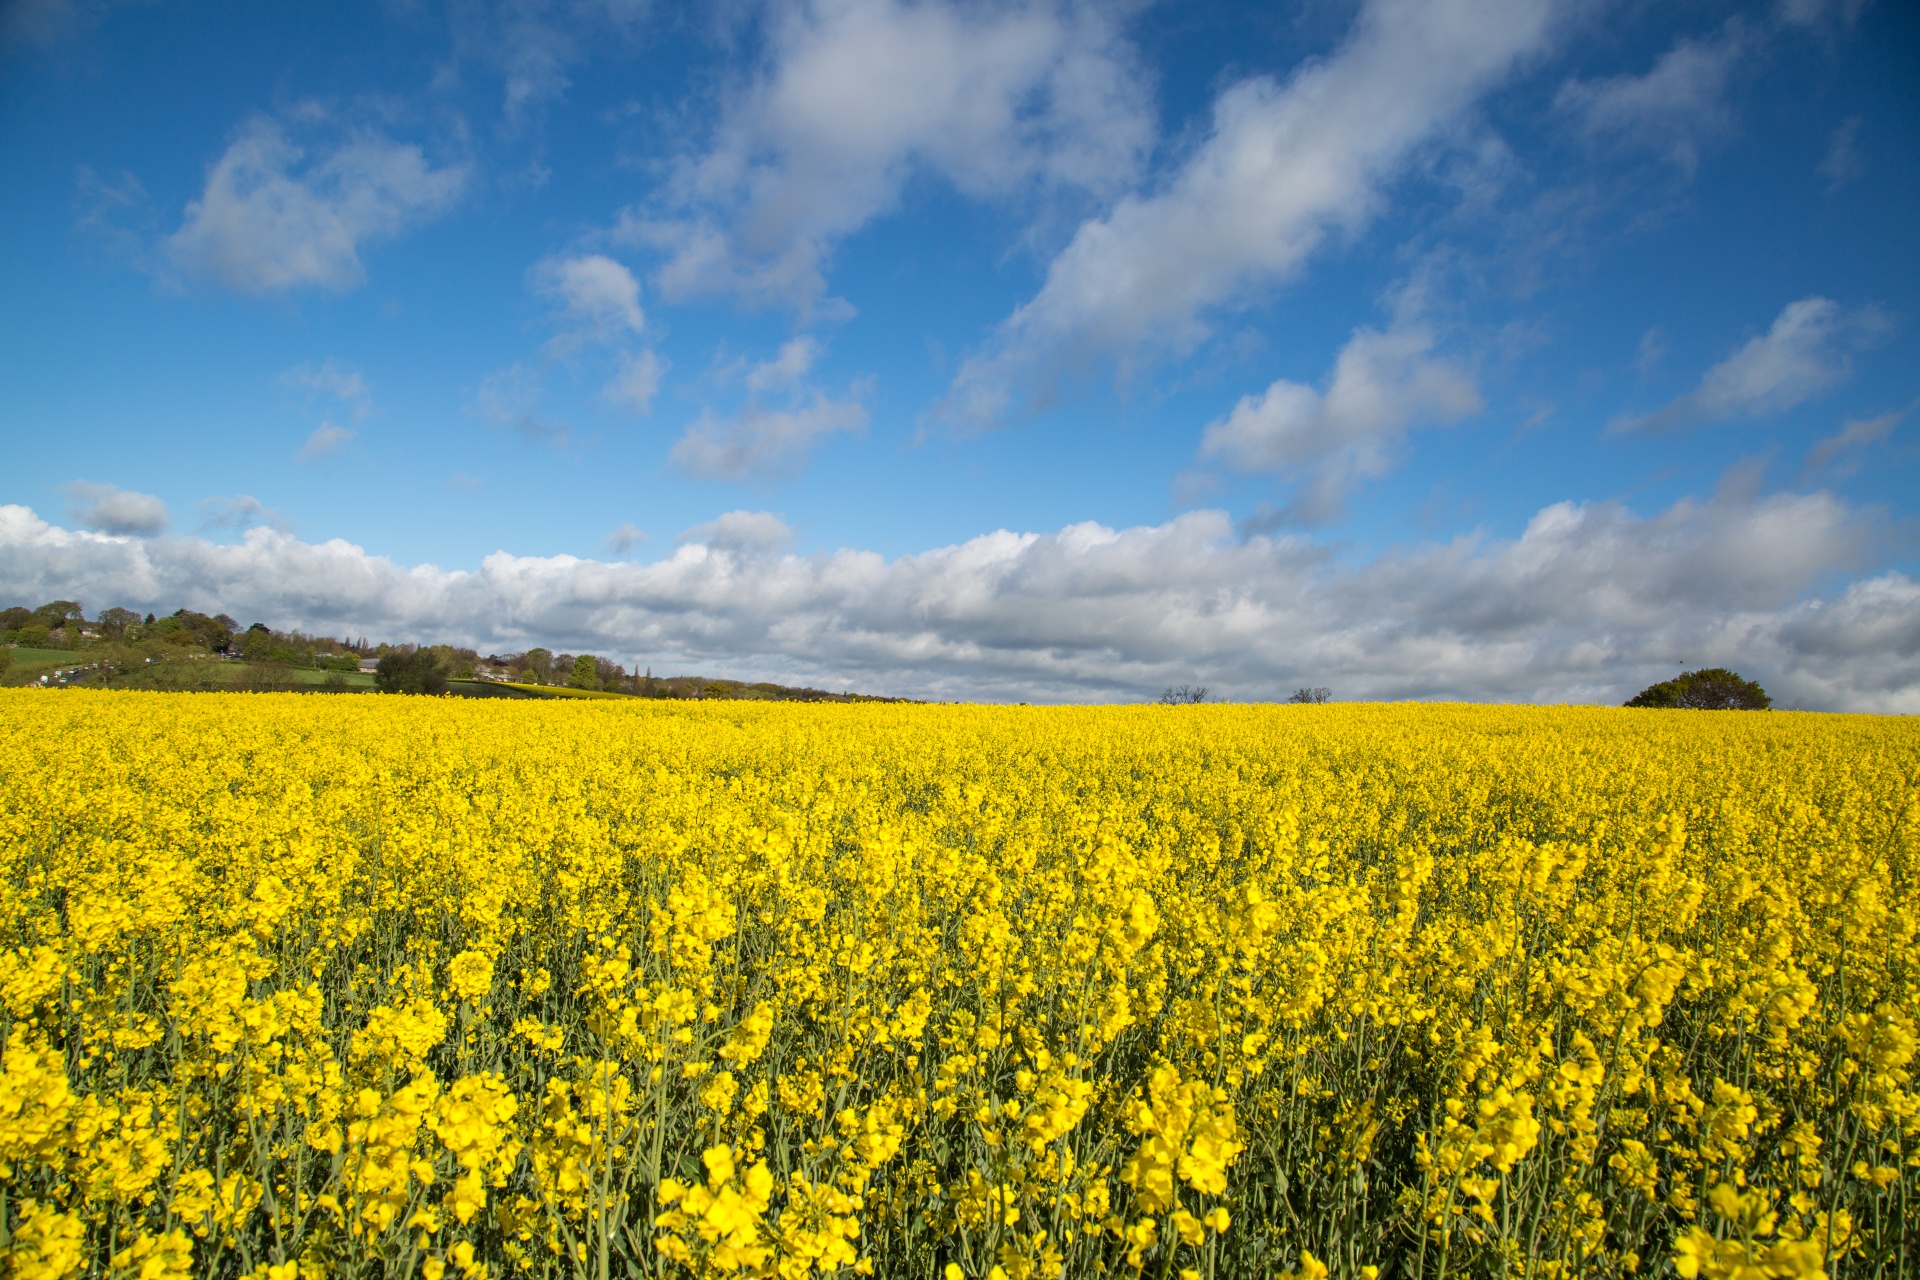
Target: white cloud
[1803,354]
[327,441]
[267,223]
[331,378]
[1589,603]
[1672,106]
[856,96]
[1283,165]
[596,305]
[767,443]
[637,382]
[118,512]
[599,299]
[1382,385]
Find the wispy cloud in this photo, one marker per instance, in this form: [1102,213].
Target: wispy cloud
[326,441]
[334,380]
[1844,160]
[763,443]
[1857,434]
[771,442]
[510,397]
[240,512]
[1807,351]
[1283,166]
[1670,108]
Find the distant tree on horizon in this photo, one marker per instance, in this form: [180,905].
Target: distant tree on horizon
[1185,695]
[586,673]
[1313,696]
[1709,689]
[411,670]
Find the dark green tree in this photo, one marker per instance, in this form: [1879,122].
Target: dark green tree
[256,643]
[1709,689]
[411,670]
[586,673]
[538,664]
[116,621]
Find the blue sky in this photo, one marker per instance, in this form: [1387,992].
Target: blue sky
[1524,349]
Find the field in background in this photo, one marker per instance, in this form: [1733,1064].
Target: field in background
[419,986]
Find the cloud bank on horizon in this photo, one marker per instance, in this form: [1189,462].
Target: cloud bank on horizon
[1511,349]
[1589,602]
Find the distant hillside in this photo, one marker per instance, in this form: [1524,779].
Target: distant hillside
[57,646]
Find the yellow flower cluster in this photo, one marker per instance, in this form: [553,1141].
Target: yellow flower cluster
[299,987]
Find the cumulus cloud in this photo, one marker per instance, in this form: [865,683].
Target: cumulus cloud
[598,298]
[1382,385]
[113,511]
[858,95]
[275,216]
[1806,352]
[327,441]
[1282,167]
[1670,108]
[1589,603]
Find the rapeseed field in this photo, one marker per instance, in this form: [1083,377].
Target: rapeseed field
[301,986]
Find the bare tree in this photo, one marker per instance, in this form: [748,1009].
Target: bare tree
[1185,695]
[1314,696]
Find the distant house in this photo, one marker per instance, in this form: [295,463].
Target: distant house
[368,665]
